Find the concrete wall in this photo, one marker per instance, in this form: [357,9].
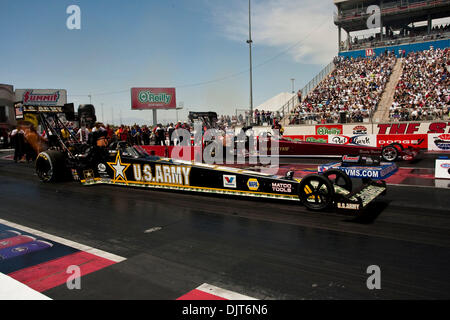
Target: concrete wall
[413,47]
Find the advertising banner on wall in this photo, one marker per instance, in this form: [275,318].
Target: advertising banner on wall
[439,142]
[369,140]
[42,97]
[316,138]
[153,98]
[412,127]
[308,138]
[393,128]
[323,129]
[406,140]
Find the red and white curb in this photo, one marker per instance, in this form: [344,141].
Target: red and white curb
[209,292]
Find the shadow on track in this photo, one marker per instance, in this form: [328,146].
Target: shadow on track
[371,214]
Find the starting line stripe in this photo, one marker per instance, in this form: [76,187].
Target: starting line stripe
[54,273]
[11,289]
[209,292]
[81,247]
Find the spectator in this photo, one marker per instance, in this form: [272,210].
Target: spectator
[18,142]
[422,92]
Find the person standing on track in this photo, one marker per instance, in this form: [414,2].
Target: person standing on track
[18,142]
[170,131]
[83,134]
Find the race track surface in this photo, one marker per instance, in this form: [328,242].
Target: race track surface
[175,242]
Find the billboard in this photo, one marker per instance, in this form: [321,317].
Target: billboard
[153,98]
[42,97]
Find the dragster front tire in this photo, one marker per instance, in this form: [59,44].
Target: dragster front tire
[339,178]
[316,192]
[50,166]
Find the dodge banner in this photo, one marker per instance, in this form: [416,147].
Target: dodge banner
[153,98]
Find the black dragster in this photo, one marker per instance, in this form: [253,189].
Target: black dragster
[120,164]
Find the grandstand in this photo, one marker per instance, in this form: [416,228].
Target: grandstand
[397,72]
[401,22]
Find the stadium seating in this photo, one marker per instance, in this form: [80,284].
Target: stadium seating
[355,88]
[423,92]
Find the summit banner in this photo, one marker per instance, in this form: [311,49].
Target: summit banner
[41,97]
[153,98]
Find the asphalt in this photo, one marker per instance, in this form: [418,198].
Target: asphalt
[263,249]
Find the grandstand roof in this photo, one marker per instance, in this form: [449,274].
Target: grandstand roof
[352,15]
[275,103]
[350,1]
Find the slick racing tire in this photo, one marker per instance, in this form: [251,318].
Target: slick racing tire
[50,166]
[339,178]
[400,147]
[316,192]
[389,153]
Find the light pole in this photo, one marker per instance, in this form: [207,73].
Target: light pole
[180,107]
[293,80]
[249,41]
[103,119]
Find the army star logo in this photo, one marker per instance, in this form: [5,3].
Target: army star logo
[119,169]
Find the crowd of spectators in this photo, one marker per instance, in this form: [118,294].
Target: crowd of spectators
[135,134]
[354,88]
[226,121]
[28,142]
[260,117]
[423,91]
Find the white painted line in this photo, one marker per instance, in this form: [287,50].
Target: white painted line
[226,294]
[154,229]
[66,242]
[416,186]
[11,289]
[412,168]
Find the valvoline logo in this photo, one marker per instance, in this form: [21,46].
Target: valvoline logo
[229,181]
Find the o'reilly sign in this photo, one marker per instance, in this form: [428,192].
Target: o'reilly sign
[153,98]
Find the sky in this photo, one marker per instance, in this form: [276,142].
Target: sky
[197,46]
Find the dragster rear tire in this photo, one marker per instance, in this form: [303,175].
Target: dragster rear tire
[50,166]
[390,153]
[316,192]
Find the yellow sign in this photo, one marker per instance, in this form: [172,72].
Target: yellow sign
[253,184]
[31,118]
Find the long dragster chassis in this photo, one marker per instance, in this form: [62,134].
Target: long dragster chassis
[123,165]
[131,167]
